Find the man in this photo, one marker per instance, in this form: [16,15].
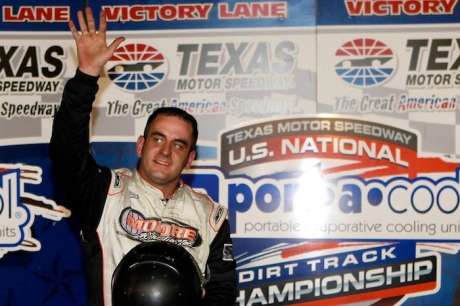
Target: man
[118,209]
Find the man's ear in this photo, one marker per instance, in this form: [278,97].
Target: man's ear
[191,157]
[139,145]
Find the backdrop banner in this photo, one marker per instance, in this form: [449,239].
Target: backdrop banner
[330,130]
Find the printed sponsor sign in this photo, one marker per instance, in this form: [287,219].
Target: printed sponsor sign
[18,208]
[336,273]
[329,129]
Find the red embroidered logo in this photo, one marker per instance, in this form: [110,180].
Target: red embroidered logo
[149,229]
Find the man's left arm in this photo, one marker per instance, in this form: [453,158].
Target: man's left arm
[221,287]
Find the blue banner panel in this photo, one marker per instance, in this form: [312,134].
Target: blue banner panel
[392,12]
[160,15]
[329,129]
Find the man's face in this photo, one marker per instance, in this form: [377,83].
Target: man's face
[165,152]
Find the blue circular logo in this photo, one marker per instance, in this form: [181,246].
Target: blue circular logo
[365,62]
[137,67]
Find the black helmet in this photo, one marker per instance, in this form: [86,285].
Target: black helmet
[157,273]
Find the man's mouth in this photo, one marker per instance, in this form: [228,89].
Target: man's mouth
[162,162]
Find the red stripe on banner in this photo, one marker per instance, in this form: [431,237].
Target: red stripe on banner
[389,160]
[321,246]
[381,294]
[417,166]
[310,247]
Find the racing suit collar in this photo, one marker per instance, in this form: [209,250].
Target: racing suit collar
[152,189]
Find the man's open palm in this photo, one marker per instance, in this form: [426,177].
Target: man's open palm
[92,50]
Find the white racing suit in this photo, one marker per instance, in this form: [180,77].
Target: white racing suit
[117,209]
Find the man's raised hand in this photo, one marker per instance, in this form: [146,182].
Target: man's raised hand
[92,50]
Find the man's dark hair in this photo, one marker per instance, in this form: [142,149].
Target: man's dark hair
[174,111]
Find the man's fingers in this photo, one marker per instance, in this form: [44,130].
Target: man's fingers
[90,20]
[102,22]
[82,22]
[114,45]
[87,24]
[73,30]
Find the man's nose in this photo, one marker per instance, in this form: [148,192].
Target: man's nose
[166,148]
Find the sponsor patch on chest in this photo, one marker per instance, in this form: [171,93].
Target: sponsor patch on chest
[152,229]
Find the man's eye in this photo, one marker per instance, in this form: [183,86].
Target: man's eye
[180,145]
